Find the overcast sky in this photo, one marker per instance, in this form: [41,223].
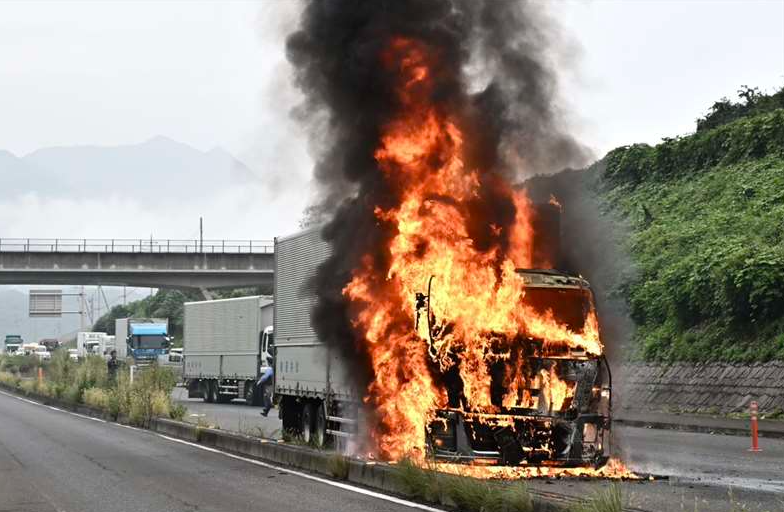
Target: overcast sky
[214,73]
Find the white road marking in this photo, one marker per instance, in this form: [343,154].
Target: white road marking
[347,487]
[99,420]
[339,485]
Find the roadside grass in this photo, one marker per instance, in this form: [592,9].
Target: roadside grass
[9,379]
[609,499]
[20,365]
[96,397]
[178,412]
[467,494]
[338,466]
[87,382]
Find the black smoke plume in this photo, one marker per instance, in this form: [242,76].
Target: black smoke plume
[493,71]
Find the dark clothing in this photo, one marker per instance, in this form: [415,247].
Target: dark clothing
[112,365]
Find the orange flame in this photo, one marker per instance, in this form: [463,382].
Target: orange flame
[613,470]
[479,309]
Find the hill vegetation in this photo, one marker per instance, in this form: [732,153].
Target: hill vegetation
[706,215]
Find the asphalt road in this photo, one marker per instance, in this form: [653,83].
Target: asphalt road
[235,416]
[704,468]
[54,461]
[708,458]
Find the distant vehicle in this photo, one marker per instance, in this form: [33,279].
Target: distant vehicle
[27,349]
[73,354]
[143,339]
[11,343]
[227,345]
[175,355]
[50,343]
[42,353]
[89,343]
[108,343]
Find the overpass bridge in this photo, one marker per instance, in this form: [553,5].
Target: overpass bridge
[155,263]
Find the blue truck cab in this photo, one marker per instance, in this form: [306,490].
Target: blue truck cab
[147,342]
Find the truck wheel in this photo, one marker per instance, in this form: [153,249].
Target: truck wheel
[206,391]
[214,391]
[320,430]
[306,424]
[250,393]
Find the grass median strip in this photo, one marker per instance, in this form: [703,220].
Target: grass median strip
[88,382]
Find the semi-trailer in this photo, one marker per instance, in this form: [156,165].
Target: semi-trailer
[227,345]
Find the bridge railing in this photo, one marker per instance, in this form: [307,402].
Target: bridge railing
[129,245]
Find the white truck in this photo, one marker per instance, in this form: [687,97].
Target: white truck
[227,344]
[89,343]
[312,380]
[96,343]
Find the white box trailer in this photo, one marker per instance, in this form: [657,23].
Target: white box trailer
[224,347]
[89,343]
[313,381]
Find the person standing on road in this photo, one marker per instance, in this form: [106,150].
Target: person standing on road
[265,381]
[112,365]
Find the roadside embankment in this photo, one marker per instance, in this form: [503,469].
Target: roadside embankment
[704,397]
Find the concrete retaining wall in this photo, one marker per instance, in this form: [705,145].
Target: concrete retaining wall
[715,388]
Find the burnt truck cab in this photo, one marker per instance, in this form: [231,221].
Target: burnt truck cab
[563,416]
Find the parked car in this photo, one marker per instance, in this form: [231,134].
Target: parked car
[73,354]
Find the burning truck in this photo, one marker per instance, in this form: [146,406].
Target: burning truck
[549,405]
[530,399]
[427,302]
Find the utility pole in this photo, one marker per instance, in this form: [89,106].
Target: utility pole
[81,308]
[201,234]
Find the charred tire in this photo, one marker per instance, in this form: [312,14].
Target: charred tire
[206,390]
[320,425]
[290,412]
[306,425]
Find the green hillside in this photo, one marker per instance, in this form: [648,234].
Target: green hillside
[706,214]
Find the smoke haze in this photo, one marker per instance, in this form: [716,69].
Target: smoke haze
[491,68]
